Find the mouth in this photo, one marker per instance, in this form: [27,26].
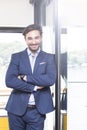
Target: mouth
[34,46]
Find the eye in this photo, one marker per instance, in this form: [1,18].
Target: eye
[37,37]
[29,38]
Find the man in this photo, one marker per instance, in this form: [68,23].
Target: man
[31,97]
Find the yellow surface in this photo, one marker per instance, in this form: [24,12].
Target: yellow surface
[4,123]
[65,121]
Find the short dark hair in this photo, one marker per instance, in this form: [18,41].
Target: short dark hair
[31,28]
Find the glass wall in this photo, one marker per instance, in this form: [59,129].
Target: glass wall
[9,43]
[74,20]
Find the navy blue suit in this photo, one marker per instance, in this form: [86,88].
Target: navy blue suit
[44,74]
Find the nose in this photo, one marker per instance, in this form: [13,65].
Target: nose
[33,41]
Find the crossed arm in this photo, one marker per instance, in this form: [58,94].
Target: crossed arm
[28,83]
[24,78]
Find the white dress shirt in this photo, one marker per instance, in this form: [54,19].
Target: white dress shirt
[32,58]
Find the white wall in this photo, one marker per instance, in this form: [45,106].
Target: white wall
[73,12]
[50,14]
[18,13]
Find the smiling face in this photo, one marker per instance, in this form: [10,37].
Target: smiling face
[33,40]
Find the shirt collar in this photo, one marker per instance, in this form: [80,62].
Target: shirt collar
[30,53]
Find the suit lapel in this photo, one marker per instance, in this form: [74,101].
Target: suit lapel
[26,61]
[38,60]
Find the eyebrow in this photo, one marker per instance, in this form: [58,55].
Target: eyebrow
[34,37]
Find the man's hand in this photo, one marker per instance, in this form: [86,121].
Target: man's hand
[23,77]
[39,87]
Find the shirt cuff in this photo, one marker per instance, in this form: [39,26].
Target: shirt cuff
[35,88]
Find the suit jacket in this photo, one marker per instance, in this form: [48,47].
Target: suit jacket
[44,74]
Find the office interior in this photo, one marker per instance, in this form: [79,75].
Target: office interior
[64,25]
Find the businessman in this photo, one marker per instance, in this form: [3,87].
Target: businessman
[30,74]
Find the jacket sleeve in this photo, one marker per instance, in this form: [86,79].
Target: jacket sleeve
[46,79]
[11,78]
